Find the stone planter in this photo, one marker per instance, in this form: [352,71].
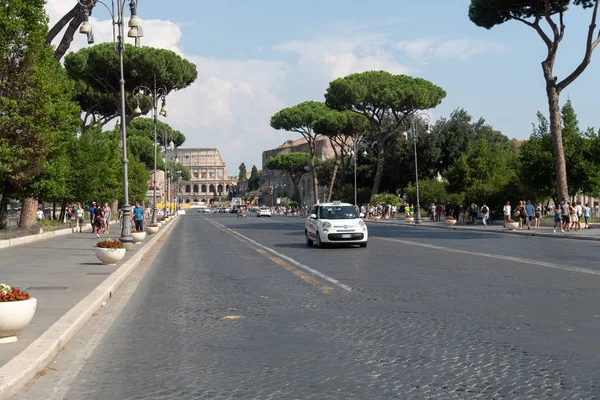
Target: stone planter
[14,316]
[109,256]
[450,222]
[409,220]
[138,237]
[511,226]
[151,230]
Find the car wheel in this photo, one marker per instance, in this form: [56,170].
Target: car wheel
[320,244]
[309,241]
[363,244]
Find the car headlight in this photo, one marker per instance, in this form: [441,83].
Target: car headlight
[326,225]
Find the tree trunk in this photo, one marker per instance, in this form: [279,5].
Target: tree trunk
[4,207]
[315,181]
[53,211]
[114,210]
[379,171]
[61,23]
[332,183]
[63,211]
[30,206]
[557,141]
[67,38]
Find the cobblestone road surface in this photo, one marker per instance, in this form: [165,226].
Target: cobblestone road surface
[218,318]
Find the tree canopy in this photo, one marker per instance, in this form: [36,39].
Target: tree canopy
[536,14]
[95,71]
[294,164]
[37,114]
[488,13]
[302,118]
[387,101]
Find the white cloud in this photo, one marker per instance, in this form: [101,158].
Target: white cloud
[435,48]
[230,104]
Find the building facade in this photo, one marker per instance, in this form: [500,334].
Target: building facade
[209,181]
[275,184]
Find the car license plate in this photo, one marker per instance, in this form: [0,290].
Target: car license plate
[346,236]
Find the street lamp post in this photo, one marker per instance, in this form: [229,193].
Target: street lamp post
[424,118]
[157,93]
[135,32]
[355,154]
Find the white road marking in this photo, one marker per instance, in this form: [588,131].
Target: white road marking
[286,258]
[495,256]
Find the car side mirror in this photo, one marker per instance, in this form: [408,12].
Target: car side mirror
[362,215]
[314,216]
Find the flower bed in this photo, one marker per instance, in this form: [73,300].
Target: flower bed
[8,293]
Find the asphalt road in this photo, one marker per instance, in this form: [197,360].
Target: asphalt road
[241,308]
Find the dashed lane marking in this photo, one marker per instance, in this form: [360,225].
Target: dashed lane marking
[495,256]
[281,258]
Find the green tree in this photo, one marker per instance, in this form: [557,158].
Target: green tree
[385,199]
[536,15]
[302,119]
[294,164]
[140,140]
[485,172]
[344,129]
[387,101]
[430,191]
[242,174]
[537,159]
[36,111]
[95,71]
[254,178]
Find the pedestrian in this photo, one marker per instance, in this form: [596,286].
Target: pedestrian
[138,216]
[558,222]
[538,216]
[579,212]
[530,210]
[432,211]
[412,210]
[92,210]
[77,212]
[573,215]
[564,214]
[98,220]
[506,211]
[485,214]
[106,216]
[39,215]
[586,215]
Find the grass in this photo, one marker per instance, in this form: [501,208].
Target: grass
[46,225]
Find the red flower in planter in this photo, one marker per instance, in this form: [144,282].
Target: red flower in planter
[110,244]
[8,293]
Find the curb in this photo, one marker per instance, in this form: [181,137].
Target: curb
[25,366]
[502,232]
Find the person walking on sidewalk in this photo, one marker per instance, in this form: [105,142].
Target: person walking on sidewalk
[558,222]
[530,210]
[485,214]
[564,214]
[106,216]
[78,214]
[579,212]
[506,211]
[138,216]
[586,215]
[538,215]
[92,210]
[98,221]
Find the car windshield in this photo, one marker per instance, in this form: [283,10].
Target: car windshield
[338,212]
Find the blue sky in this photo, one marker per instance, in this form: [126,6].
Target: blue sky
[257,57]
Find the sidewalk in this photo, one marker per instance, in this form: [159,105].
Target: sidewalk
[546,230]
[59,272]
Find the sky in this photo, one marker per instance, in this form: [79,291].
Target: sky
[257,57]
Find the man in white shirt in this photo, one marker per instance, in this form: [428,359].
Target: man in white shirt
[39,215]
[507,209]
[485,214]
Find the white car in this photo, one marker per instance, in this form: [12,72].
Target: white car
[335,223]
[263,212]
